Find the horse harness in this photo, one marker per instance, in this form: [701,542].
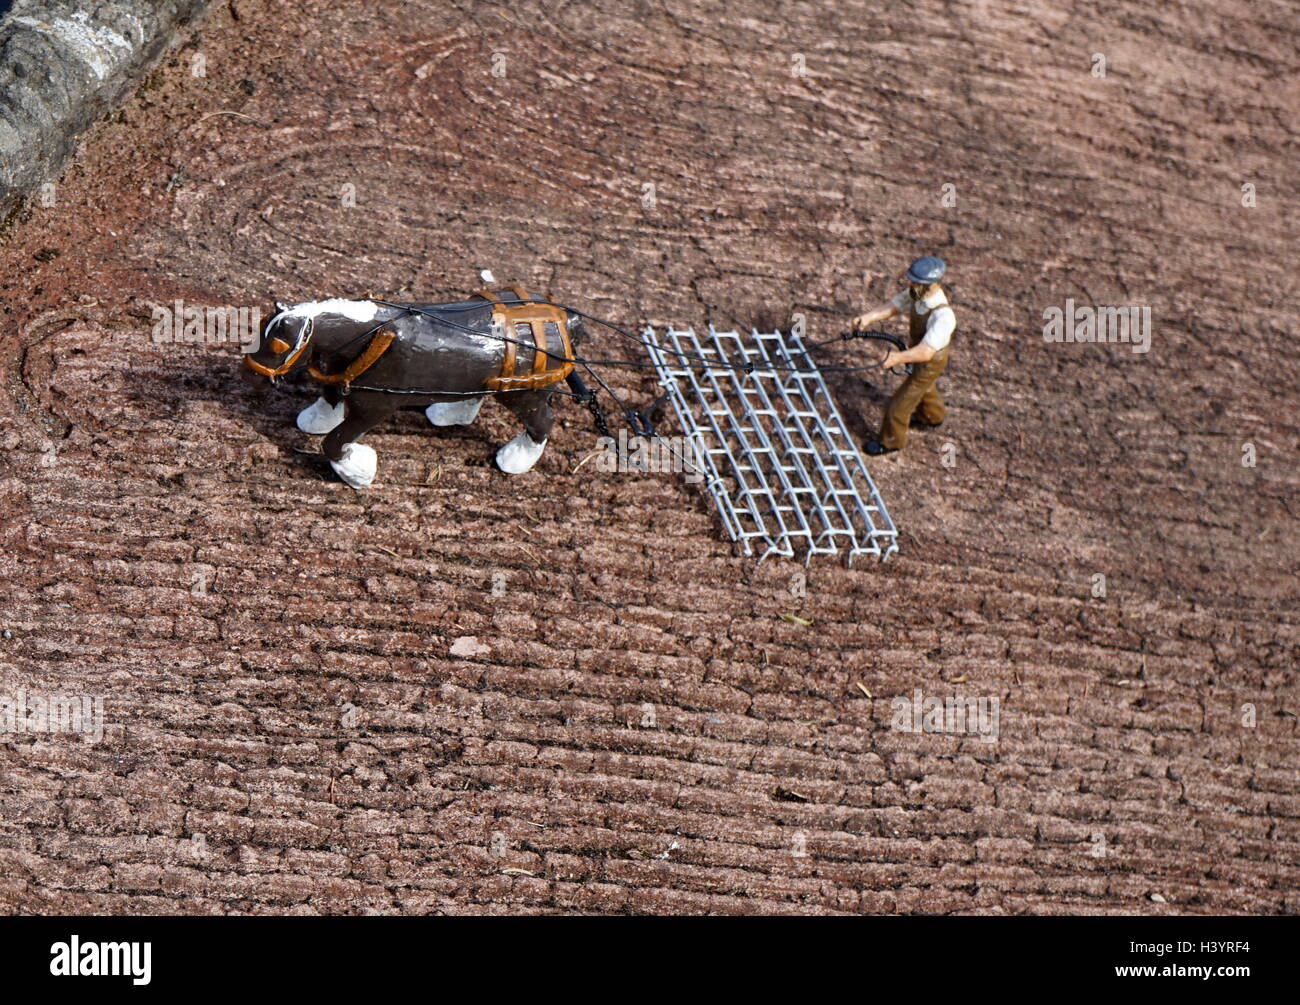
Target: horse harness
[520,320]
[512,321]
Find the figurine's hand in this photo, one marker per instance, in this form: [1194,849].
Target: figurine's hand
[858,323]
[891,360]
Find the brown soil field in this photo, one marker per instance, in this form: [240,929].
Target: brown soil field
[636,727]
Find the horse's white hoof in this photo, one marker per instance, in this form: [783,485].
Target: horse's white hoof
[358,465]
[520,454]
[454,413]
[320,417]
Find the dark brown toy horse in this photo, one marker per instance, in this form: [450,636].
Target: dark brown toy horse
[372,357]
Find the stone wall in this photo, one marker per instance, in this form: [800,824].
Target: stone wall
[63,64]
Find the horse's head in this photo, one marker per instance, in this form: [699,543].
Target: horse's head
[283,345]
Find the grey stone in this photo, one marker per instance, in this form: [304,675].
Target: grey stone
[63,64]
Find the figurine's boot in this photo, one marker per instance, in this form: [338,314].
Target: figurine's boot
[520,454]
[357,466]
[320,417]
[454,413]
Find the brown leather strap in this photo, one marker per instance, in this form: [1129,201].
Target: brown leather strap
[507,364]
[539,348]
[377,347]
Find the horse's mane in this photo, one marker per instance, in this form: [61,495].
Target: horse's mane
[353,310]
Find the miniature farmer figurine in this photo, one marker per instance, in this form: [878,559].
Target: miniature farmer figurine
[931,322]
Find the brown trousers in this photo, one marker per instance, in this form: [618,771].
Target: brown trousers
[917,392]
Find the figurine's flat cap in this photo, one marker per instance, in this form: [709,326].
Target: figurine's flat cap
[926,270]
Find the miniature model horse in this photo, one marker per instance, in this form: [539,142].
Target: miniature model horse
[372,357]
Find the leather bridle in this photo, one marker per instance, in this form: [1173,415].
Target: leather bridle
[294,353]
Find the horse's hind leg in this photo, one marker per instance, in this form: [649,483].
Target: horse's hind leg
[355,462]
[455,413]
[534,410]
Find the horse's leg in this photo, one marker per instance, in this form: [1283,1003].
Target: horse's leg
[323,415]
[533,409]
[355,462]
[455,413]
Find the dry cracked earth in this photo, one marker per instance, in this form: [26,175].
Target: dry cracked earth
[634,726]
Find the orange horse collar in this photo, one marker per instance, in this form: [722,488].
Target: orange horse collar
[377,347]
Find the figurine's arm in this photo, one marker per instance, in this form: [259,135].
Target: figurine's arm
[919,353]
[938,333]
[881,313]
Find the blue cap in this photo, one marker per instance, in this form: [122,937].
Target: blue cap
[926,270]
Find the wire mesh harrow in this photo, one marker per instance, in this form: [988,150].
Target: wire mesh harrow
[775,455]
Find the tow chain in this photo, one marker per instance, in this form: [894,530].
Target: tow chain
[597,413]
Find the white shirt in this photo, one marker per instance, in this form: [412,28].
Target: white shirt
[942,323]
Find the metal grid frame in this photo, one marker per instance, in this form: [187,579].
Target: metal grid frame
[771,445]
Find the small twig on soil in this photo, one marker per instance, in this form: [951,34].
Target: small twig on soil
[387,551]
[226,111]
[865,691]
[585,460]
[794,619]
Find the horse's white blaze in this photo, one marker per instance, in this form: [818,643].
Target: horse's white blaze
[358,465]
[520,454]
[320,417]
[454,413]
